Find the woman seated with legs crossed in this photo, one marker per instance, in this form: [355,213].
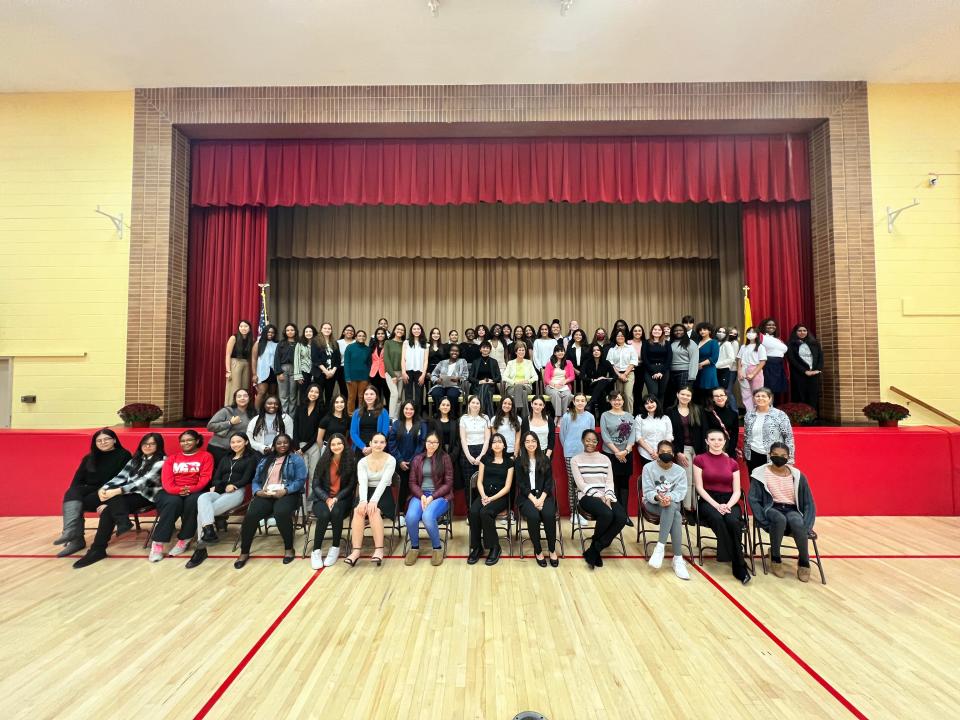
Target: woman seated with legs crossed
[494,480]
[375,499]
[278,492]
[593,474]
[431,492]
[664,486]
[334,484]
[538,503]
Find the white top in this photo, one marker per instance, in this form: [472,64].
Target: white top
[728,355]
[475,428]
[533,476]
[266,437]
[756,437]
[497,353]
[415,357]
[806,354]
[542,352]
[509,434]
[751,355]
[577,353]
[542,433]
[653,430]
[372,485]
[342,344]
[775,346]
[622,357]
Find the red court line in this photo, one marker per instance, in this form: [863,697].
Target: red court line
[783,646]
[225,685]
[890,557]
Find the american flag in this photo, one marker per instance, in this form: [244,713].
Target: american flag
[262,322]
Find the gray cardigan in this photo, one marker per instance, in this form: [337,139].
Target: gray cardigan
[776,428]
[688,358]
[221,428]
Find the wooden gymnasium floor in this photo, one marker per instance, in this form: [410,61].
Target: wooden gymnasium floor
[125,638]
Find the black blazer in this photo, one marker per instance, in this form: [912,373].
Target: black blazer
[698,433]
[475,368]
[572,357]
[322,357]
[591,371]
[551,433]
[544,474]
[729,420]
[797,364]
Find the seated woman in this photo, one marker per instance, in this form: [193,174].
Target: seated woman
[540,423]
[619,434]
[493,487]
[485,377]
[374,498]
[536,492]
[228,420]
[431,493]
[448,378]
[719,415]
[764,425]
[520,377]
[370,419]
[664,486]
[405,441]
[105,459]
[334,484]
[268,423]
[234,472]
[780,497]
[185,475]
[277,492]
[558,377]
[717,479]
[593,475]
[597,374]
[134,488]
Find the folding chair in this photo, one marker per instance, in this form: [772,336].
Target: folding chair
[746,542]
[263,527]
[646,517]
[309,519]
[582,530]
[393,529]
[811,535]
[444,524]
[506,515]
[521,529]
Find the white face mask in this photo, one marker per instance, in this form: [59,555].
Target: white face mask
[721,335]
[751,336]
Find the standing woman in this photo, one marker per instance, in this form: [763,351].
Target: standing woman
[518,337]
[235,416]
[520,377]
[413,366]
[556,332]
[374,498]
[543,348]
[774,374]
[717,478]
[540,423]
[597,379]
[600,338]
[718,415]
[283,367]
[689,436]
[624,361]
[304,355]
[435,350]
[572,426]
[268,423]
[277,491]
[326,364]
[657,361]
[493,497]
[558,377]
[104,462]
[334,484]
[378,373]
[185,475]
[806,364]
[708,354]
[307,423]
[264,352]
[638,336]
[474,437]
[529,335]
[577,351]
[751,361]
[762,427]
[684,363]
[506,423]
[238,353]
[347,336]
[356,370]
[368,420]
[619,433]
[594,478]
[431,494]
[535,490]
[619,326]
[727,364]
[653,427]
[405,441]
[392,359]
[497,347]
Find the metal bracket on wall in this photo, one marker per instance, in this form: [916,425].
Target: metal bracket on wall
[116,220]
[892,214]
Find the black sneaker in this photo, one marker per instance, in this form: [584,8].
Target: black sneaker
[124,527]
[475,555]
[209,535]
[93,555]
[493,556]
[199,555]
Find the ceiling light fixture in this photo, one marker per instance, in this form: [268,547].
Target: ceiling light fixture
[565,5]
[434,7]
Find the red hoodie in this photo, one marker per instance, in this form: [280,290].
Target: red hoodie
[187,471]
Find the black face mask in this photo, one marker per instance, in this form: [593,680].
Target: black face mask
[778,460]
[665,457]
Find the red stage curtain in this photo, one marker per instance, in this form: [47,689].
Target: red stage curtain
[778,263]
[524,170]
[227,259]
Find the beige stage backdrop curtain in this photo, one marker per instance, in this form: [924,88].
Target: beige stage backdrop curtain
[454,266]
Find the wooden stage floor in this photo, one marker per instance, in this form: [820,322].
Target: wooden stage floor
[125,638]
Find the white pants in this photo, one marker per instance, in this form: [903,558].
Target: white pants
[690,501]
[395,386]
[212,504]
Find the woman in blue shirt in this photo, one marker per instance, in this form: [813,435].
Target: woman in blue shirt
[709,354]
[405,441]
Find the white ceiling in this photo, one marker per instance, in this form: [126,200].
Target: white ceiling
[122,44]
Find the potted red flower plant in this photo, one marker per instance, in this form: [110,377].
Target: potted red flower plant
[886,414]
[139,415]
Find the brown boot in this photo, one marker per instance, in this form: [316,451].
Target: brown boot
[412,555]
[437,557]
[775,567]
[803,574]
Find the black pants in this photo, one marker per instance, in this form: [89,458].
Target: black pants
[609,520]
[781,517]
[805,389]
[599,389]
[403,491]
[328,389]
[282,509]
[723,379]
[118,509]
[87,494]
[333,517]
[728,529]
[341,381]
[678,379]
[169,508]
[755,460]
[484,393]
[621,477]
[657,388]
[380,384]
[535,518]
[439,393]
[467,469]
[413,390]
[483,519]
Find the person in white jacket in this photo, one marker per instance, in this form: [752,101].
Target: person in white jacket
[269,423]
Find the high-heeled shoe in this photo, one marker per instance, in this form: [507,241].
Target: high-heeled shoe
[378,561]
[351,561]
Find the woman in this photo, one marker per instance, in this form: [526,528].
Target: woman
[283,367]
[540,423]
[435,350]
[368,420]
[448,378]
[278,493]
[780,497]
[304,355]
[520,377]
[185,475]
[392,358]
[751,360]
[431,495]
[664,487]
[235,416]
[132,489]
[718,415]
[269,423]
[637,338]
[356,370]
[485,377]
[806,364]
[518,337]
[498,348]
[335,422]
[717,479]
[237,360]
[727,362]
[405,441]
[577,350]
[556,332]
[597,379]
[708,354]
[624,361]
[619,434]
[535,490]
[374,498]
[652,428]
[228,490]
[529,335]
[657,362]
[449,430]
[474,437]
[593,475]
[542,348]
[494,481]
[413,366]
[774,374]
[347,337]
[482,332]
[558,377]
[334,483]
[378,372]
[684,362]
[599,338]
[307,425]
[689,436]
[619,325]
[106,459]
[763,426]
[506,423]
[469,350]
[327,363]
[264,353]
[572,425]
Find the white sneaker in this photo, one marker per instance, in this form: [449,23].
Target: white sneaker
[316,559]
[271,521]
[656,560]
[403,521]
[332,555]
[156,552]
[582,520]
[180,548]
[680,568]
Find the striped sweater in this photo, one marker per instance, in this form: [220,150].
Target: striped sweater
[593,474]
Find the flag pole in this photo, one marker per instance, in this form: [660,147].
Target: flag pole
[263,298]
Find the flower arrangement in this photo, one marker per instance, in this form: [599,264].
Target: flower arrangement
[799,413]
[886,412]
[139,413]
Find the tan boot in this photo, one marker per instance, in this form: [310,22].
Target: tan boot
[803,574]
[775,567]
[412,555]
[436,558]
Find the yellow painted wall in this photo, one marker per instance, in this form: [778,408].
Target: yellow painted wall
[915,130]
[64,270]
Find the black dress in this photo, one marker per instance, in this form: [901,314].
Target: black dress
[728,422]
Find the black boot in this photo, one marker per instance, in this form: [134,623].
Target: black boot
[199,555]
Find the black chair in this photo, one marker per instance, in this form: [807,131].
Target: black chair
[521,529]
[444,524]
[811,535]
[299,520]
[504,519]
[392,528]
[582,530]
[709,542]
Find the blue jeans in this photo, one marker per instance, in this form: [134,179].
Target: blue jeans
[415,513]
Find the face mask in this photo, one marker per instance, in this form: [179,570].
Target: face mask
[721,335]
[732,336]
[778,460]
[751,336]
[665,457]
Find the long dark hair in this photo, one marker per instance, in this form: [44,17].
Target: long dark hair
[296,334]
[523,457]
[303,335]
[96,454]
[558,363]
[377,405]
[244,343]
[423,341]
[440,454]
[144,467]
[511,416]
[658,413]
[810,339]
[264,337]
[348,462]
[684,340]
[261,422]
[402,420]
[247,450]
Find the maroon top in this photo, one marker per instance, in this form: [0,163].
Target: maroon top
[717,471]
[442,477]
